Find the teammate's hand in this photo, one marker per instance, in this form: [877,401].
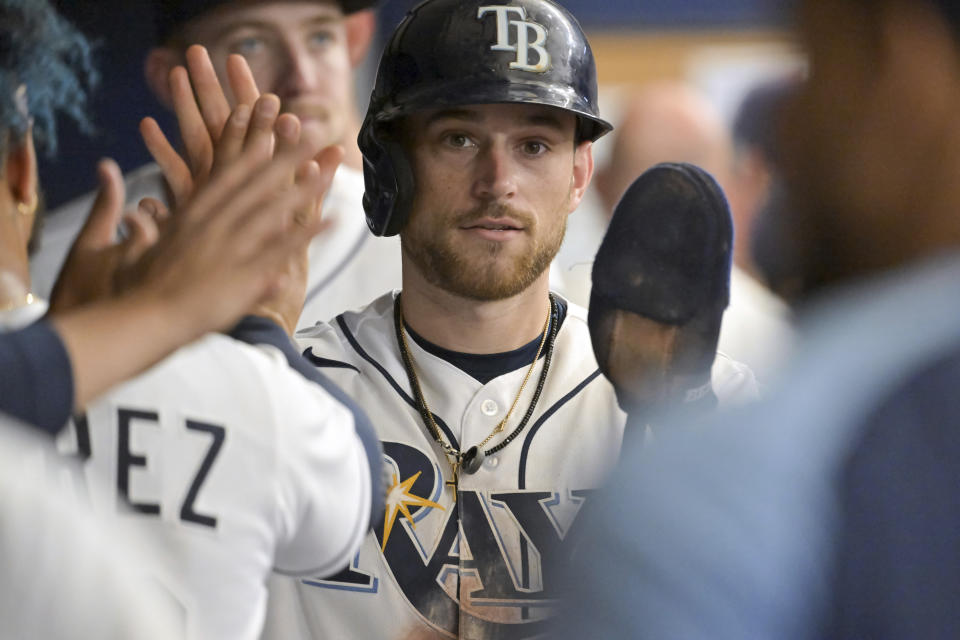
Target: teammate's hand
[97,255]
[286,304]
[231,245]
[202,113]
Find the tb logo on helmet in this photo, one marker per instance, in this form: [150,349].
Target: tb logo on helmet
[523,45]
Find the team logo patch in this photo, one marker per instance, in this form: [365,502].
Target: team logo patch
[483,566]
[530,37]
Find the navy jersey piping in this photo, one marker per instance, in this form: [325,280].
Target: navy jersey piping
[342,323]
[256,330]
[320,286]
[317,361]
[522,476]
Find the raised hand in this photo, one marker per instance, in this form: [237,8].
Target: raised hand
[202,113]
[231,245]
[97,255]
[214,137]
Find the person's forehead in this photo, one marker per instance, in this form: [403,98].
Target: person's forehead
[520,114]
[279,14]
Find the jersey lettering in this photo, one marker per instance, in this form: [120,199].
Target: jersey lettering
[491,570]
[127,459]
[524,45]
[82,429]
[187,513]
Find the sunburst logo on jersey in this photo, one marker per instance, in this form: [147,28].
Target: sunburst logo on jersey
[399,499]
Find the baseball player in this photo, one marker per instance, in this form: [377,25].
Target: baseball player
[493,415]
[233,457]
[661,282]
[306,53]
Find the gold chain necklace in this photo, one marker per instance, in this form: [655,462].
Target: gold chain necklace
[471,459]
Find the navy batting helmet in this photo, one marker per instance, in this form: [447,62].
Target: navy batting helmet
[458,52]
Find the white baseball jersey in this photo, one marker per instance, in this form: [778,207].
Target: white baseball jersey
[348,265]
[66,575]
[240,465]
[482,566]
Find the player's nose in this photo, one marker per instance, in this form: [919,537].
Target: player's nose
[300,72]
[495,178]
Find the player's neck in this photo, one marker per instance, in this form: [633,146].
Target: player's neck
[471,326]
[14,262]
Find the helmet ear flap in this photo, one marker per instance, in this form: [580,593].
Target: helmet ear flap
[388,181]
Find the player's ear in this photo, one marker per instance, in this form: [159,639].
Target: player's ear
[360,28]
[20,169]
[582,172]
[156,69]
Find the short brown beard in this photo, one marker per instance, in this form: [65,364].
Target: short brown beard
[442,267]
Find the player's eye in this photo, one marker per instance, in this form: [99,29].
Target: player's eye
[459,141]
[320,38]
[247,46]
[534,147]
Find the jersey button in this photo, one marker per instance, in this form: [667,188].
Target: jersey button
[492,462]
[489,407]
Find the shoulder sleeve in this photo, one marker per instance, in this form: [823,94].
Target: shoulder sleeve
[36,378]
[260,331]
[324,480]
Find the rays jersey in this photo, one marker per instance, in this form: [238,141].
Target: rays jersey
[483,565]
[239,465]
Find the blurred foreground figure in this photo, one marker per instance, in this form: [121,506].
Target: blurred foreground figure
[175,443]
[661,282]
[829,510]
[65,575]
[757,326]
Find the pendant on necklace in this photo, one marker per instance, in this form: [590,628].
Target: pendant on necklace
[472,460]
[454,480]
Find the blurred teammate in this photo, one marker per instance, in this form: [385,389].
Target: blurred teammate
[829,510]
[757,326]
[306,53]
[307,444]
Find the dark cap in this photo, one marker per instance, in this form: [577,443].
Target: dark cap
[171,15]
[666,254]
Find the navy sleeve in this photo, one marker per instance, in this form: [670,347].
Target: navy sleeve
[897,558]
[36,379]
[257,330]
